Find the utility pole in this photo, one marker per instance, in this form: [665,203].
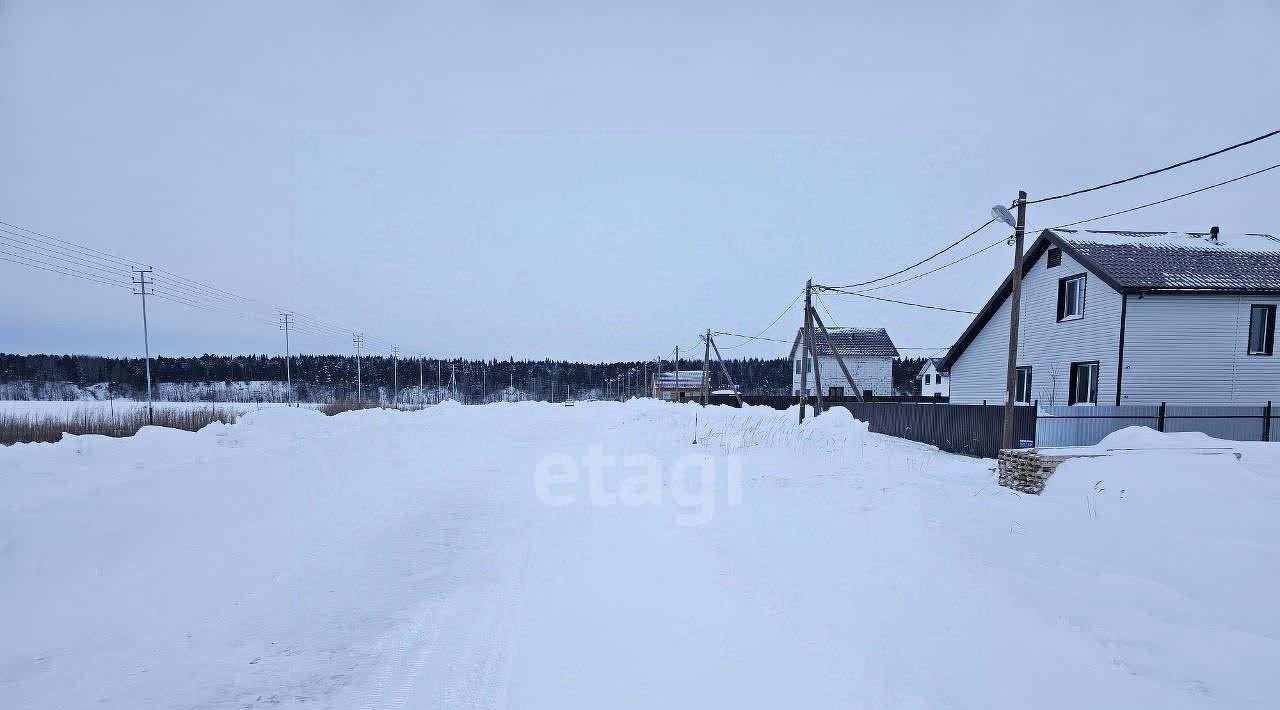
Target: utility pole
[804,349]
[706,372]
[728,378]
[358,339]
[422,399]
[676,393]
[857,393]
[395,375]
[286,320]
[1015,308]
[142,279]
[439,381]
[484,383]
[813,351]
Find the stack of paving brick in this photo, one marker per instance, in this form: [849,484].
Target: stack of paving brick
[1025,470]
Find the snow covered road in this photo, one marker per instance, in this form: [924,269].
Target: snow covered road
[447,558]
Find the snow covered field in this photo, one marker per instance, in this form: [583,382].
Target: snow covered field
[39,407]
[539,556]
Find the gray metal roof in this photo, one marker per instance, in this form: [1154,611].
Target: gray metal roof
[691,379]
[1180,260]
[854,342]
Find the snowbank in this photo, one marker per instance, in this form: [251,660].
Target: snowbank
[404,559]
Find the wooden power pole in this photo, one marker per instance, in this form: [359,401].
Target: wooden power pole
[805,332]
[857,393]
[728,378]
[706,372]
[1015,307]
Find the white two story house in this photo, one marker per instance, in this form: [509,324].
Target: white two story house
[867,352]
[934,382]
[1115,317]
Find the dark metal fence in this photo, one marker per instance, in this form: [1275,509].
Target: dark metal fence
[971,429]
[977,429]
[786,401]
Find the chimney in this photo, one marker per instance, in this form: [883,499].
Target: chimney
[1213,234]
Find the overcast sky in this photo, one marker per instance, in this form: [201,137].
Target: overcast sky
[578,182]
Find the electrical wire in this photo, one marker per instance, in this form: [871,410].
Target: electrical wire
[1169,199]
[43,266]
[767,328]
[1149,173]
[931,257]
[992,245]
[747,337]
[62,256]
[1081,221]
[891,300]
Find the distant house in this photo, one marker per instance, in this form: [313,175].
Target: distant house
[678,386]
[867,352]
[934,382]
[1111,317]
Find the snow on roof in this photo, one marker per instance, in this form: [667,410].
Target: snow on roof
[690,378]
[1245,241]
[1179,260]
[863,342]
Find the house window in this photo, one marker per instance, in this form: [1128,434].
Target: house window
[1262,329]
[926,379]
[835,392]
[1071,298]
[1084,383]
[1022,390]
[1055,257]
[805,363]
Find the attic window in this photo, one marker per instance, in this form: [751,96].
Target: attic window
[1055,257]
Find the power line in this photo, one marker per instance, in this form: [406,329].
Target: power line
[63,256]
[1082,221]
[1149,173]
[748,337]
[1170,199]
[835,289]
[44,266]
[767,328]
[931,257]
[992,245]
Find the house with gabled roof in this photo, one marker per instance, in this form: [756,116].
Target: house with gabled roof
[1130,317]
[678,385]
[867,352]
[934,381]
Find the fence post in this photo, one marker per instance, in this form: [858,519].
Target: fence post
[1160,419]
[1035,423]
[1266,422]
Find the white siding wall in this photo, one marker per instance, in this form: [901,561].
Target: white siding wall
[1048,346]
[871,373]
[937,384]
[1192,349]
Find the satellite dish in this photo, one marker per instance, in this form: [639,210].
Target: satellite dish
[1002,213]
